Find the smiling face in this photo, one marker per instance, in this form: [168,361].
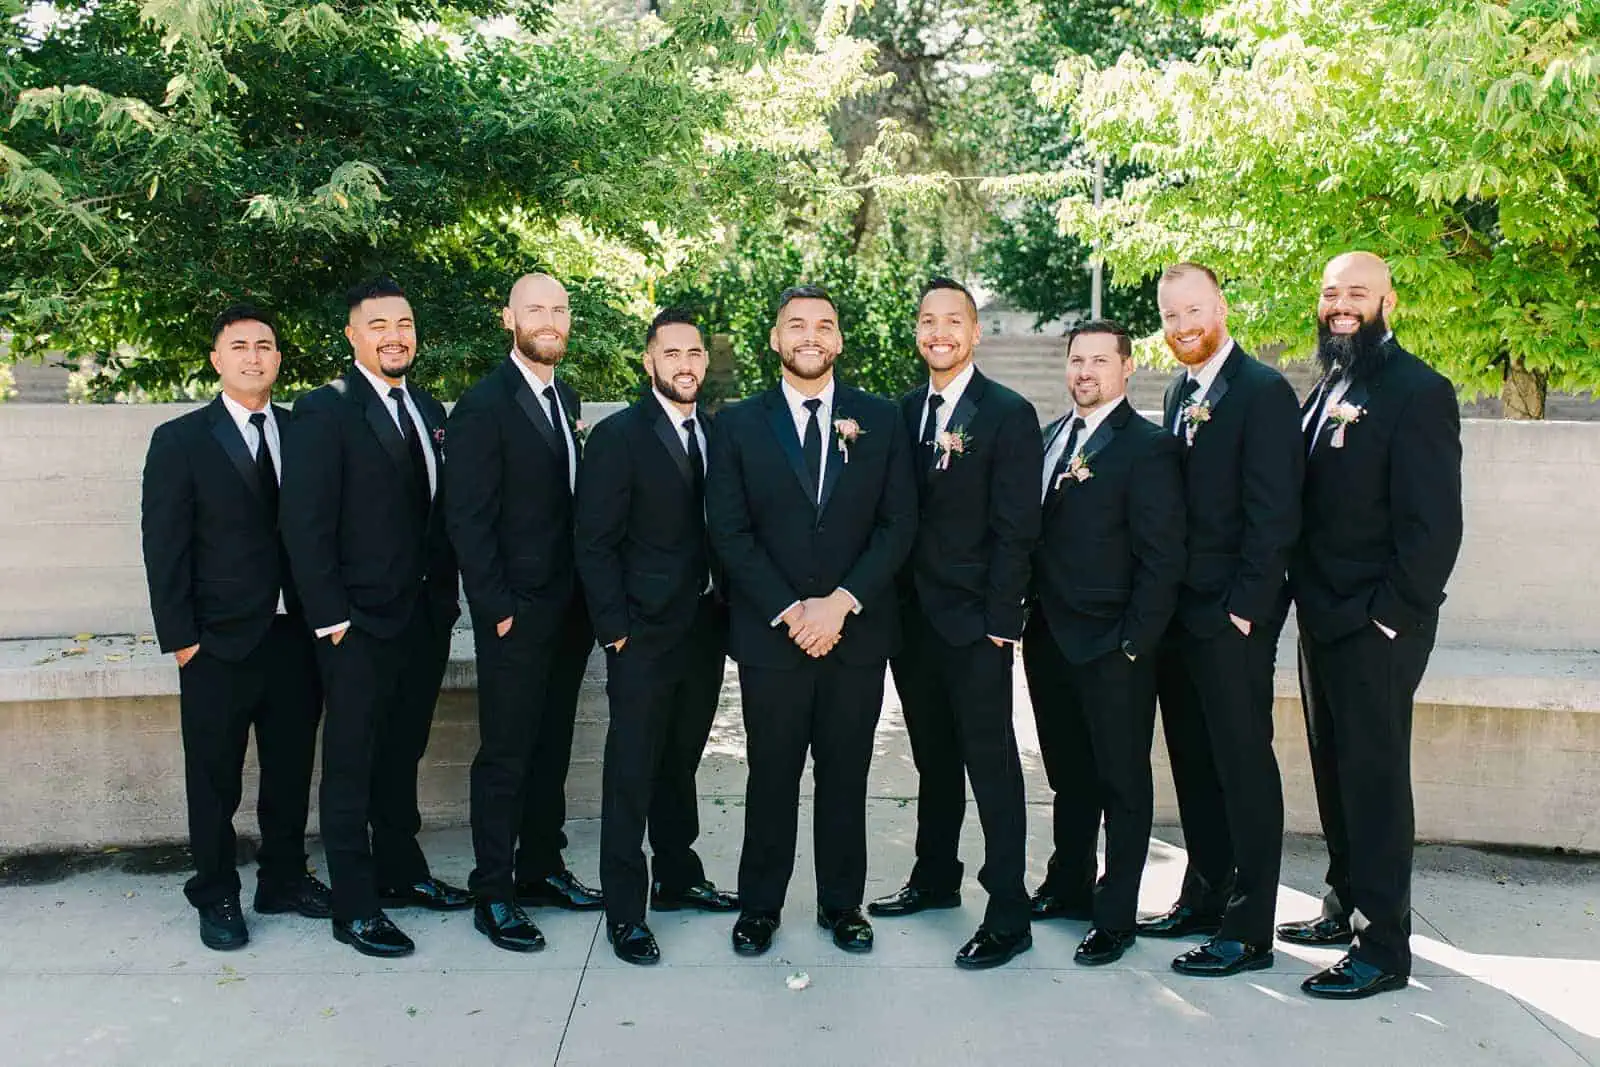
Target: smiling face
[1194,317]
[1097,372]
[1355,290]
[676,362]
[246,359]
[383,335]
[807,338]
[539,318]
[947,332]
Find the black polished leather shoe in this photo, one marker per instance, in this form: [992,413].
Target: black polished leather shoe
[1318,933]
[1048,905]
[987,948]
[1180,921]
[430,893]
[559,890]
[1351,979]
[1102,946]
[850,928]
[506,926]
[222,925]
[308,897]
[1219,958]
[374,936]
[910,899]
[703,896]
[633,943]
[752,934]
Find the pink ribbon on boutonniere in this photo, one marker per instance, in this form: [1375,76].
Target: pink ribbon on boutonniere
[846,431]
[1077,471]
[1343,415]
[949,444]
[1194,416]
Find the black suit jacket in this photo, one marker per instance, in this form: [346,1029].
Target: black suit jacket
[212,555]
[1111,558]
[979,515]
[778,545]
[359,548]
[1383,512]
[1242,478]
[510,508]
[641,532]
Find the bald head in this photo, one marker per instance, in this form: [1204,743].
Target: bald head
[1358,267]
[531,285]
[1353,312]
[539,319]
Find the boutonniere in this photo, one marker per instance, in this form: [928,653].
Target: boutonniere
[438,437]
[846,430]
[580,431]
[1077,471]
[948,444]
[1193,416]
[1342,415]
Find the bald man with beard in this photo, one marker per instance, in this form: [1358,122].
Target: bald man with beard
[1381,531]
[514,449]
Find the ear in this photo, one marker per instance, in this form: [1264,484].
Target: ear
[772,338]
[508,320]
[649,363]
[350,334]
[216,362]
[1389,301]
[977,333]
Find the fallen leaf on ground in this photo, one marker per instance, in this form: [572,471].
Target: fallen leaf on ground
[80,650]
[83,637]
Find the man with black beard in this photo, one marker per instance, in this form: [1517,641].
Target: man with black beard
[1242,468]
[1380,536]
[514,445]
[648,576]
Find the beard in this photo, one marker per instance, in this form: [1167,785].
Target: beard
[1210,341]
[543,350]
[669,389]
[1358,355]
[811,369]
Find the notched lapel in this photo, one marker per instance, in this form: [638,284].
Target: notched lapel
[226,431]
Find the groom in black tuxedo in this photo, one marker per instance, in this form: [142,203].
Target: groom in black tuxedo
[812,507]
[363,522]
[226,608]
[1381,533]
[976,460]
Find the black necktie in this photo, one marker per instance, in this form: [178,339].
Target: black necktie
[1191,386]
[930,425]
[1066,454]
[265,470]
[811,448]
[697,459]
[419,465]
[561,435]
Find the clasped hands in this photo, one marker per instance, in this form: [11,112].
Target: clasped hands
[816,624]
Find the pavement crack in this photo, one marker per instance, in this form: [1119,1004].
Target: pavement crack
[577,992]
[1542,1021]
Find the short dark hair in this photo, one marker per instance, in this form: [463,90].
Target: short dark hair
[1187,267]
[677,316]
[802,292]
[372,289]
[1110,327]
[941,282]
[241,313]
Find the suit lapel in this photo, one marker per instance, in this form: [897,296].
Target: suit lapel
[532,405]
[1169,405]
[376,410]
[226,431]
[667,434]
[1103,433]
[915,401]
[966,408]
[1219,386]
[782,423]
[833,469]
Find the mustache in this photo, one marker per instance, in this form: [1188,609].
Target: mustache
[1358,355]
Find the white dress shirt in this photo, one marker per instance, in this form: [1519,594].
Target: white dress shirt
[252,443]
[676,417]
[1058,445]
[1206,375]
[383,388]
[539,377]
[952,396]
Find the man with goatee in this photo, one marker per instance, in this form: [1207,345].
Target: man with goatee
[649,579]
[812,507]
[513,443]
[1243,461]
[976,459]
[1381,531]
[362,518]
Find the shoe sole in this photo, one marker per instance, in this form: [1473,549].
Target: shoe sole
[674,906]
[564,905]
[400,903]
[1001,961]
[1097,961]
[901,913]
[647,961]
[1387,985]
[1338,942]
[223,946]
[291,910]
[1175,935]
[1253,965]
[502,943]
[368,950]
[752,950]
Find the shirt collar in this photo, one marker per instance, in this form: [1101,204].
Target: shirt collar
[952,392]
[1092,421]
[674,416]
[797,400]
[241,414]
[536,383]
[378,383]
[1207,372]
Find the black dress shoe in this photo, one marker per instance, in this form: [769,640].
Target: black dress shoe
[702,896]
[633,943]
[1218,958]
[222,925]
[989,948]
[559,890]
[1351,979]
[850,928]
[307,897]
[1102,946]
[506,926]
[752,934]
[910,900]
[375,936]
[1180,921]
[1048,905]
[1318,933]
[430,893]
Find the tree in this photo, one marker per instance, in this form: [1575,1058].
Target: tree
[1459,139]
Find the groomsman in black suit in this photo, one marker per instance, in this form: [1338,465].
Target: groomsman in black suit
[1243,463]
[1106,576]
[226,609]
[515,442]
[1381,533]
[976,457]
[812,506]
[362,520]
[648,576]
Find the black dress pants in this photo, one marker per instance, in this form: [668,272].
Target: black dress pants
[274,689]
[830,708]
[957,702]
[528,685]
[1216,710]
[663,700]
[1096,721]
[380,694]
[1358,694]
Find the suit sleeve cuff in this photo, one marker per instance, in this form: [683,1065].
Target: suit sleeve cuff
[776,619]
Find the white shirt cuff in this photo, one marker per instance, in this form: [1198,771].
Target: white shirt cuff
[1390,634]
[855,605]
[779,617]
[326,630]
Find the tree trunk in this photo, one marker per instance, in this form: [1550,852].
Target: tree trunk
[1522,396]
